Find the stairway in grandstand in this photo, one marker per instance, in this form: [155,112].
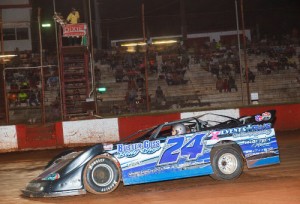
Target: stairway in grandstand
[205,84]
[277,87]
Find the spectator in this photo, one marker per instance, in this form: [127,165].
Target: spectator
[33,98]
[13,99]
[141,99]
[159,96]
[169,78]
[175,78]
[132,95]
[73,17]
[119,74]
[219,84]
[262,67]
[225,85]
[231,84]
[140,81]
[22,97]
[24,85]
[251,76]
[116,109]
[52,81]
[132,85]
[55,109]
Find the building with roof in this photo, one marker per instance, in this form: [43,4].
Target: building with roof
[15,24]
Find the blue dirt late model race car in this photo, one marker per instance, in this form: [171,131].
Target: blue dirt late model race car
[172,150]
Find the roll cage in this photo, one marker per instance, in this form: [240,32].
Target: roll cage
[194,124]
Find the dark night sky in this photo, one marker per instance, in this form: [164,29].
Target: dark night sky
[122,18]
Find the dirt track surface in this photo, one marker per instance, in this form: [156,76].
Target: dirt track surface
[273,184]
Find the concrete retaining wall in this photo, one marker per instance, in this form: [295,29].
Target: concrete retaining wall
[8,138]
[84,132]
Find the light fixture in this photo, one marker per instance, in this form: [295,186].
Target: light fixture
[154,43]
[4,56]
[46,25]
[164,42]
[133,44]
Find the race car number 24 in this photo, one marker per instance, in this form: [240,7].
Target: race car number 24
[178,147]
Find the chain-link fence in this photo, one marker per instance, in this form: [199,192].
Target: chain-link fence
[32,94]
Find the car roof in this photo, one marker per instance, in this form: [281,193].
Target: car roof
[180,121]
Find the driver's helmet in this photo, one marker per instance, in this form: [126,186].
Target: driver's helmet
[178,129]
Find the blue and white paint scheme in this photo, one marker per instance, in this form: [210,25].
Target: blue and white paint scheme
[215,147]
[189,155]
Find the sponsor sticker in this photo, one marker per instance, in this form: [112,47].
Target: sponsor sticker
[263,117]
[241,131]
[131,150]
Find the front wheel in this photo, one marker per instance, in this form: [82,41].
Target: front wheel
[227,164]
[101,175]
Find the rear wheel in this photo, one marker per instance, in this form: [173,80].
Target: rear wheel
[227,163]
[101,175]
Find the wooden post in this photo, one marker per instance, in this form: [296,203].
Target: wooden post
[1,30]
[92,64]
[239,48]
[145,57]
[245,52]
[42,69]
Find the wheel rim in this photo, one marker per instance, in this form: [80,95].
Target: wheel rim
[227,163]
[102,175]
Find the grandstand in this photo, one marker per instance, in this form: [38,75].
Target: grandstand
[279,86]
[200,91]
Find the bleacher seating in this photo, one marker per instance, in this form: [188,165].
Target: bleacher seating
[199,91]
[277,87]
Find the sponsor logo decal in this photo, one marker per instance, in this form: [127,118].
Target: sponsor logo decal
[78,29]
[242,131]
[214,135]
[95,162]
[160,169]
[263,117]
[131,150]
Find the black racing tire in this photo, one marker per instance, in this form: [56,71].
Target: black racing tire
[227,163]
[101,175]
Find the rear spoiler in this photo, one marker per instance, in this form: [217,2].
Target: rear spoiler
[268,116]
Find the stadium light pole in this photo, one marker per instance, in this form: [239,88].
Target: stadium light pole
[40,37]
[42,69]
[1,33]
[58,58]
[239,47]
[92,64]
[145,55]
[245,52]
